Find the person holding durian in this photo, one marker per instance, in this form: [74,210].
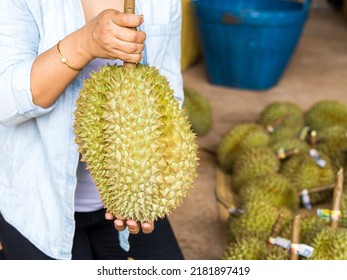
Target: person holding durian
[49,206]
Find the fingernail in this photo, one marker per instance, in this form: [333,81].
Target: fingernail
[142,19]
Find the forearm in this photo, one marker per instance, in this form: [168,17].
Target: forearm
[50,76]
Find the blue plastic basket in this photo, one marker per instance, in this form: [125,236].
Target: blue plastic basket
[248,43]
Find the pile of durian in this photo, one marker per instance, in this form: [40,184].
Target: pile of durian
[284,163]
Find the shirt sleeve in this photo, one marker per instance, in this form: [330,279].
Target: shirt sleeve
[19,41]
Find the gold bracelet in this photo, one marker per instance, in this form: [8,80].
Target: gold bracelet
[64,59]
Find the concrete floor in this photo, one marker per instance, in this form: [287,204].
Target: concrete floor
[317,70]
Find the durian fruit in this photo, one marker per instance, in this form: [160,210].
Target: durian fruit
[136,142]
[273,189]
[237,139]
[330,244]
[282,120]
[247,247]
[258,217]
[332,142]
[199,111]
[253,163]
[289,146]
[305,173]
[310,225]
[325,114]
[276,253]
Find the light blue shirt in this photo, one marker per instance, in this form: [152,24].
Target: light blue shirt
[38,155]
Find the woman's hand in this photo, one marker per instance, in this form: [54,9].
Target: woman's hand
[133,226]
[111,35]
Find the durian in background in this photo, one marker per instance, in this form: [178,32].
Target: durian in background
[325,114]
[258,217]
[306,173]
[246,247]
[199,111]
[136,141]
[253,163]
[274,189]
[310,225]
[236,140]
[286,148]
[330,244]
[282,120]
[332,141]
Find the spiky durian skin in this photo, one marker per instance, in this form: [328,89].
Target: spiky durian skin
[253,163]
[237,139]
[276,253]
[333,143]
[274,189]
[246,247]
[290,144]
[310,225]
[136,142]
[330,244]
[199,111]
[284,133]
[326,113]
[290,113]
[257,218]
[303,171]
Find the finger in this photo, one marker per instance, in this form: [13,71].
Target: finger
[133,226]
[134,58]
[147,227]
[128,35]
[109,216]
[119,224]
[127,20]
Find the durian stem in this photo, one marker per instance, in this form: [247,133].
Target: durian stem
[337,198]
[276,228]
[277,122]
[294,254]
[129,8]
[318,189]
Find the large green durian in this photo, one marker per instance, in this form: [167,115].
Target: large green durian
[325,114]
[236,140]
[136,142]
[199,111]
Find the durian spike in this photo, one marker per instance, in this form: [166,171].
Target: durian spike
[295,241]
[275,231]
[337,199]
[129,8]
